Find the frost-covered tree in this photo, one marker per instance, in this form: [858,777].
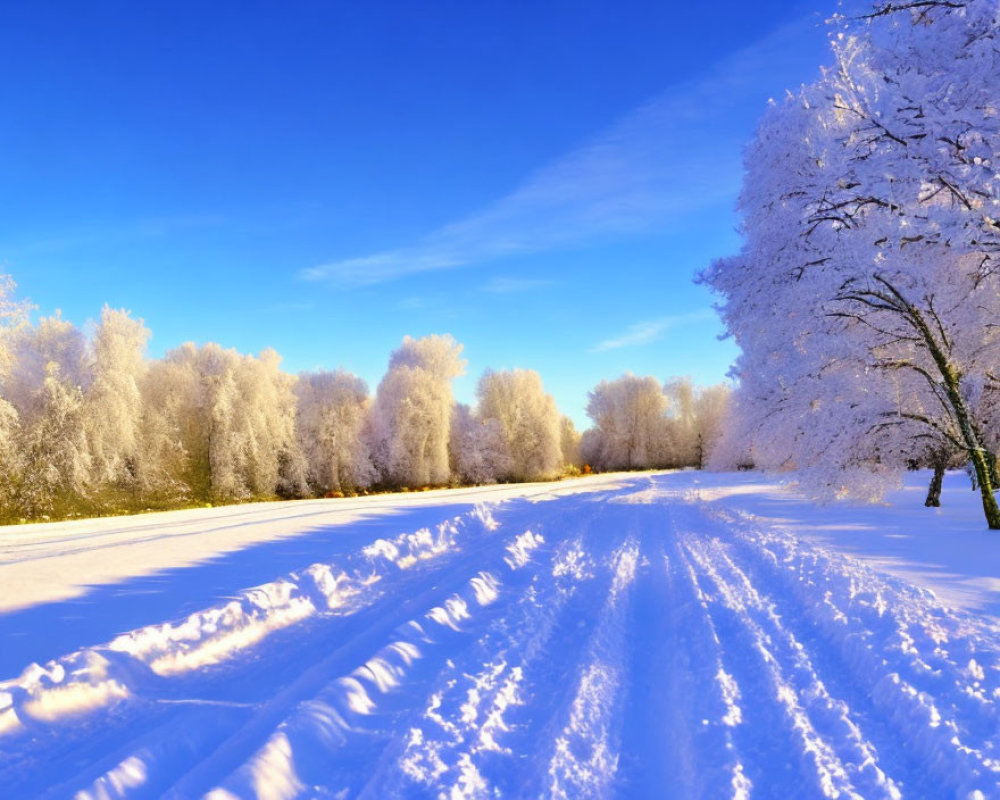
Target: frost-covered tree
[234,417]
[267,427]
[864,293]
[189,389]
[640,425]
[332,411]
[31,349]
[479,452]
[530,421]
[682,424]
[712,415]
[569,443]
[695,418]
[48,374]
[55,463]
[173,426]
[91,424]
[411,416]
[219,404]
[13,320]
[630,425]
[113,402]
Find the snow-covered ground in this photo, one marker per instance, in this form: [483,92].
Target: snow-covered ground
[684,634]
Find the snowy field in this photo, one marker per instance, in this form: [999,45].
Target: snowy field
[667,635]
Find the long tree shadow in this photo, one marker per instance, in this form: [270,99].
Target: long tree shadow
[46,631]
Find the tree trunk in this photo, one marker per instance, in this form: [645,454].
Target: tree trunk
[934,491]
[977,454]
[951,379]
[984,464]
[991,458]
[990,508]
[991,465]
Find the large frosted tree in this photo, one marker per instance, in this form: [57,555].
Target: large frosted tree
[233,416]
[630,424]
[479,451]
[864,295]
[411,417]
[332,411]
[529,419]
[13,319]
[49,373]
[113,403]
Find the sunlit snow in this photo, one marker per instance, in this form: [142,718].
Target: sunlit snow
[713,633]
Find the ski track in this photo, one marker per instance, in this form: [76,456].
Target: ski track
[633,642]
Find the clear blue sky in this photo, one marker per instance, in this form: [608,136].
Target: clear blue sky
[540,180]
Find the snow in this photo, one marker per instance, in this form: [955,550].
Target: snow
[712,634]
[59,560]
[948,549]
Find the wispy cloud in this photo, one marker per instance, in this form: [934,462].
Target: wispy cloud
[676,154]
[287,307]
[117,233]
[505,285]
[416,303]
[652,330]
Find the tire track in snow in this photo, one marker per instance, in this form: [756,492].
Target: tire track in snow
[319,731]
[833,751]
[628,643]
[165,750]
[364,737]
[927,676]
[515,688]
[102,675]
[894,753]
[585,758]
[683,705]
[346,724]
[172,742]
[31,543]
[461,741]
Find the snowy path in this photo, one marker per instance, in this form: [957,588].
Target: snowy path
[50,561]
[637,641]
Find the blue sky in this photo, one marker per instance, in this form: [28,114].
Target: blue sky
[541,180]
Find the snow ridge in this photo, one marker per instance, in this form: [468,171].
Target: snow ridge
[103,675]
[933,673]
[582,649]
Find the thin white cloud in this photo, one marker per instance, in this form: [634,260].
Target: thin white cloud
[672,156]
[118,233]
[289,307]
[415,303]
[652,330]
[505,285]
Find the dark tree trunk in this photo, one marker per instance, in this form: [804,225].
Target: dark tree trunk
[947,385]
[982,461]
[934,490]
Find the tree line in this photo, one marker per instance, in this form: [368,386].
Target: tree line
[866,296]
[90,425]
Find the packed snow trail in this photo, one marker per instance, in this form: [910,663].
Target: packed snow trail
[631,642]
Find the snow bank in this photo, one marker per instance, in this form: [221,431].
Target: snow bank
[933,673]
[101,676]
[675,638]
[47,562]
